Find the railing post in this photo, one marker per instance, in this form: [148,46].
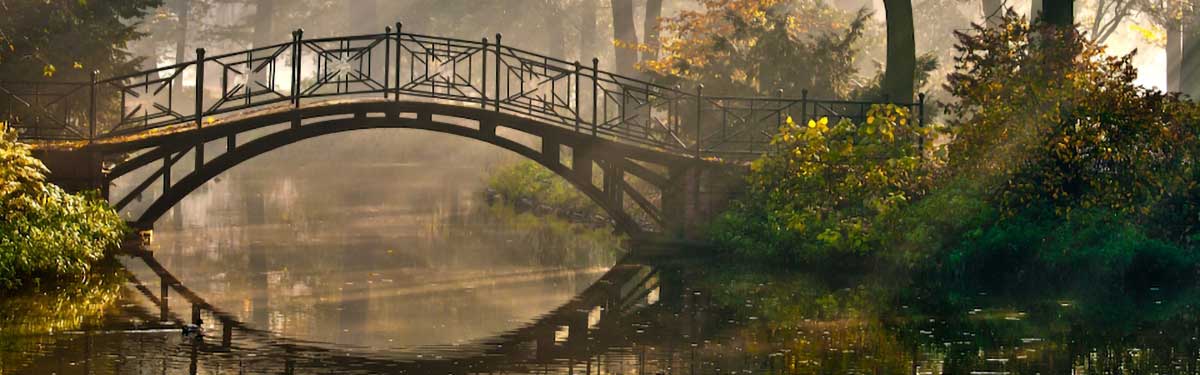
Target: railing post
[399,36]
[297,59]
[387,59]
[499,56]
[595,94]
[578,93]
[779,115]
[804,106]
[921,120]
[921,109]
[699,117]
[199,88]
[92,109]
[483,92]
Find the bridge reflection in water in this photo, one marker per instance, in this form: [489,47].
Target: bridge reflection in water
[635,319]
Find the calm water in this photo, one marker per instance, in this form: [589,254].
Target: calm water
[401,268]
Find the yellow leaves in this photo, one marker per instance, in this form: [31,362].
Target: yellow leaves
[48,70]
[77,65]
[1152,34]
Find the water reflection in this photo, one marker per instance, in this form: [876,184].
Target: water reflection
[310,273]
[367,267]
[671,316]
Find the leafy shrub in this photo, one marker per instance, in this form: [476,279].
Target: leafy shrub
[1044,117]
[44,231]
[826,189]
[1094,248]
[1058,172]
[531,182]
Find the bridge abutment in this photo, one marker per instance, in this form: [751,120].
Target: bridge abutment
[696,194]
[74,170]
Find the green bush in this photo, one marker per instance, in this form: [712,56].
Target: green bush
[46,232]
[531,182]
[1056,171]
[1092,248]
[826,190]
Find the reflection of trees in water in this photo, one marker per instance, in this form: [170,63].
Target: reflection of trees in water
[37,318]
[531,240]
[806,323]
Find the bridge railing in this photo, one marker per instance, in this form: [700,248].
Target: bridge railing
[575,95]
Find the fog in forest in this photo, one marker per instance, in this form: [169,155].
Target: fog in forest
[574,30]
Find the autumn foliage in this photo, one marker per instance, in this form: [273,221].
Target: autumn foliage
[742,47]
[1053,168]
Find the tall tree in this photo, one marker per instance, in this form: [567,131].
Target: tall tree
[587,30]
[183,11]
[900,74]
[1189,59]
[624,35]
[264,23]
[1171,15]
[1059,12]
[1174,49]
[650,29]
[68,38]
[756,47]
[1107,16]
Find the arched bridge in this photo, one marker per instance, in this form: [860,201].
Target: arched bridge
[656,158]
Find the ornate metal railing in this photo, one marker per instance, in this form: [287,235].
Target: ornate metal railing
[401,65]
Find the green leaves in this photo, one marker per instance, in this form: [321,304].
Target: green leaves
[44,231]
[829,186]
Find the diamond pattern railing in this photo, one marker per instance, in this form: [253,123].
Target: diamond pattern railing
[482,73]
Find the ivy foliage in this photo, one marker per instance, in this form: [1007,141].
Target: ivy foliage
[45,232]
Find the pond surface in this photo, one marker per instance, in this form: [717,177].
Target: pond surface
[402,268]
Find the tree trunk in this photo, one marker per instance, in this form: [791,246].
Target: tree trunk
[624,35]
[264,23]
[556,31]
[1189,64]
[901,52]
[993,10]
[1059,13]
[183,9]
[587,30]
[650,29]
[1174,56]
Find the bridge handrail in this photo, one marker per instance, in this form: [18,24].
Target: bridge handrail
[573,94]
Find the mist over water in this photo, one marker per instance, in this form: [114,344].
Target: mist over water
[395,251]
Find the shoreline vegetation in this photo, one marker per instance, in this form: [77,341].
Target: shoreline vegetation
[48,237]
[1066,177]
[528,187]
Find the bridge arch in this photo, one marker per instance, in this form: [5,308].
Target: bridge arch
[601,169]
